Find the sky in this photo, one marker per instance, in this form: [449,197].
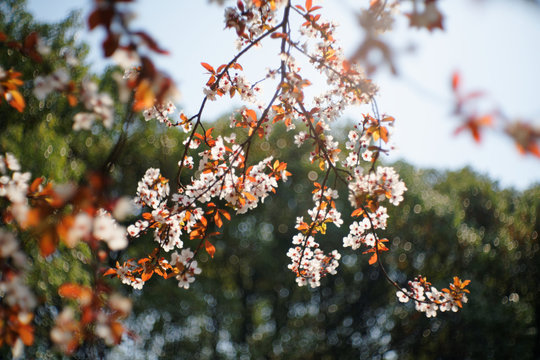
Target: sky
[493,44]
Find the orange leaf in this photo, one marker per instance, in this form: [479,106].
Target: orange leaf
[74,291]
[35,184]
[278,35]
[33,218]
[47,245]
[208,133]
[208,67]
[357,212]
[111,271]
[373,259]
[308,5]
[147,216]
[455,81]
[117,330]
[251,114]
[147,275]
[144,96]
[217,219]
[210,249]
[204,221]
[226,214]
[26,333]
[15,99]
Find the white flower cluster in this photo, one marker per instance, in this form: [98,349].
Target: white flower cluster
[124,273]
[331,149]
[188,266]
[106,320]
[309,262]
[103,227]
[172,225]
[63,334]
[14,186]
[107,229]
[428,299]
[257,20]
[239,82]
[359,231]
[44,85]
[384,183]
[224,183]
[101,106]
[13,290]
[300,138]
[358,146]
[66,330]
[330,214]
[218,180]
[347,82]
[152,190]
[160,112]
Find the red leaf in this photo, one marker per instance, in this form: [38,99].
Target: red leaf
[240,5]
[151,43]
[100,17]
[110,44]
[94,19]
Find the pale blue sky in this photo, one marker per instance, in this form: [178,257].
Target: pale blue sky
[493,43]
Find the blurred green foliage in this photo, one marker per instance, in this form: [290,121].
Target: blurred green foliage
[245,304]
